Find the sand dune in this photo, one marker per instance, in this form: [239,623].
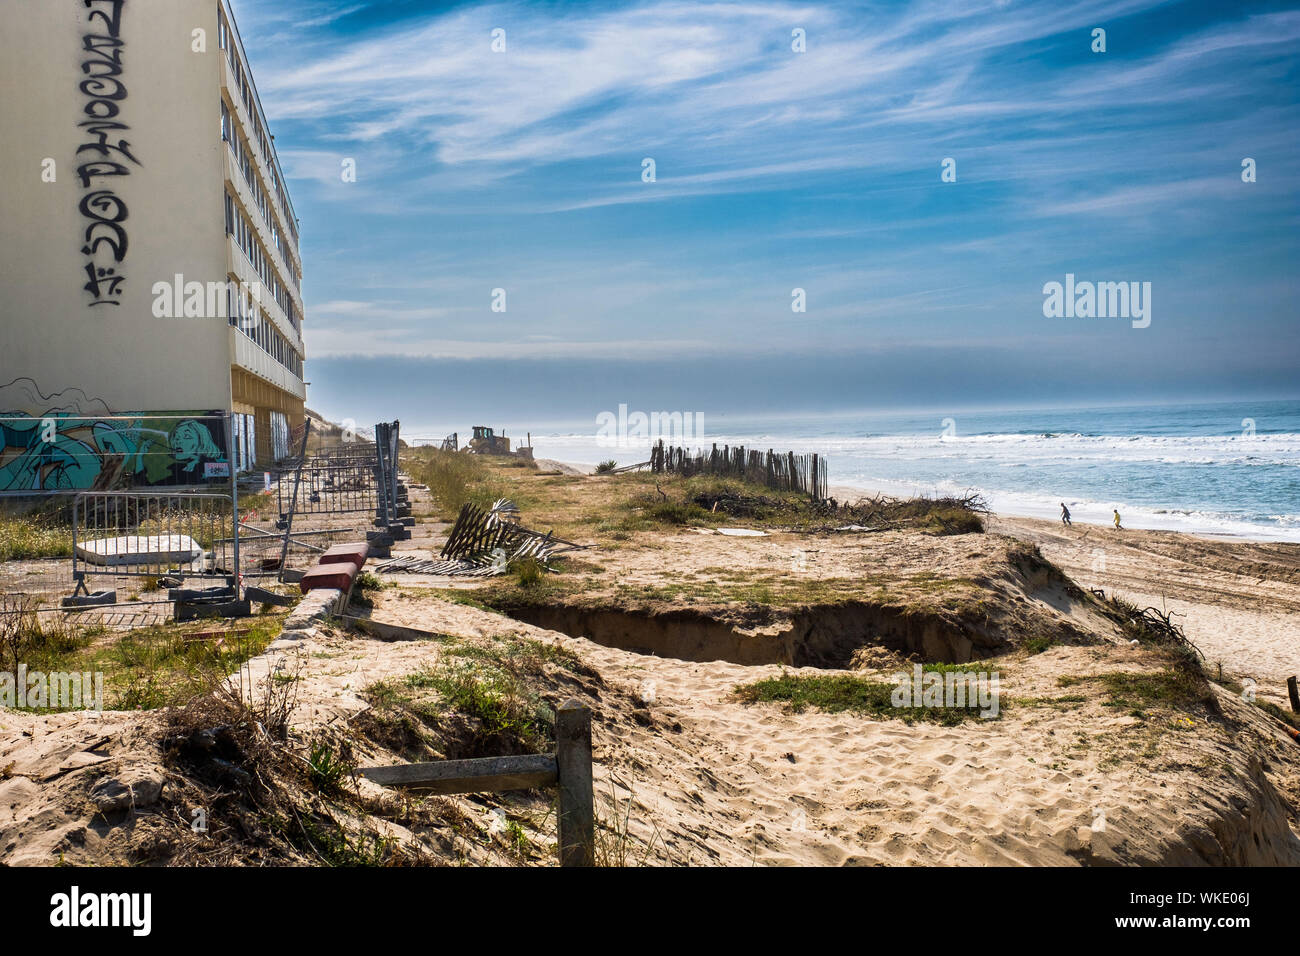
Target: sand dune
[1238,601]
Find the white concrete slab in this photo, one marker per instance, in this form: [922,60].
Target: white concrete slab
[141,549]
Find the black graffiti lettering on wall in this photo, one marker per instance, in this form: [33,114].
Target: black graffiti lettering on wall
[106,154]
[107,211]
[100,128]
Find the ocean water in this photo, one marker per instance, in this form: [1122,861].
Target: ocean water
[1220,469]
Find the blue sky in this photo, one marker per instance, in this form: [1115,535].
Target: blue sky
[778,170]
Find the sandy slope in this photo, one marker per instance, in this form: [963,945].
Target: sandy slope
[717,781]
[1238,601]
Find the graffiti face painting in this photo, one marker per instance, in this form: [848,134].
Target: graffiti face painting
[191,444]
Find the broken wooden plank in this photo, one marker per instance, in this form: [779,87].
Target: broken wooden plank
[469,776]
[388,632]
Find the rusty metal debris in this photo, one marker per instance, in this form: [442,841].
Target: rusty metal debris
[483,543]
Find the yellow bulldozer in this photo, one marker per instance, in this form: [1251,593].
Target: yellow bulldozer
[485,442]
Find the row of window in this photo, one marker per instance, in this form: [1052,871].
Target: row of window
[244,160]
[237,225]
[259,130]
[244,433]
[263,333]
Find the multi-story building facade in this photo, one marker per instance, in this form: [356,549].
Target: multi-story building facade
[150,267]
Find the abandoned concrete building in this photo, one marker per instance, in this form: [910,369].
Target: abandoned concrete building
[151,280]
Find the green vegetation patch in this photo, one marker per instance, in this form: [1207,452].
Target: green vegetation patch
[836,693]
[1272,709]
[1171,688]
[34,536]
[144,668]
[480,699]
[455,478]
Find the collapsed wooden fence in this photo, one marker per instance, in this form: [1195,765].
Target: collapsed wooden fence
[780,471]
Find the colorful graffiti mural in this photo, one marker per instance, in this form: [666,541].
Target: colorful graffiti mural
[68,441]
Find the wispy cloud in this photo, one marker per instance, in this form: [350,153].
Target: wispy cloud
[774,169]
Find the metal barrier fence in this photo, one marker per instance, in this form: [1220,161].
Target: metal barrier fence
[337,483]
[268,554]
[156,496]
[143,494]
[348,449]
[347,478]
[154,534]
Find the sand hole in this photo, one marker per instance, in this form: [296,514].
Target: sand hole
[823,636]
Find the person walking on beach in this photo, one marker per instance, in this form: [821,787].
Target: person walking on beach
[1118,527]
[1065,515]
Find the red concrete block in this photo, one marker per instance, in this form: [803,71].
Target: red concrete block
[338,576]
[355,553]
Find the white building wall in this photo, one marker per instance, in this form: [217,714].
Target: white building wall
[50,332]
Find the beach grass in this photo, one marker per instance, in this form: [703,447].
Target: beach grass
[837,693]
[457,478]
[617,508]
[494,689]
[34,536]
[1171,688]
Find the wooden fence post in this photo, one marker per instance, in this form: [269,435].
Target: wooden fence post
[577,806]
[1295,694]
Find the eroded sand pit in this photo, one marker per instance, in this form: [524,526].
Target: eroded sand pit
[810,637]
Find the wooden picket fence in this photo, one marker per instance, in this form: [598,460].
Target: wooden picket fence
[781,471]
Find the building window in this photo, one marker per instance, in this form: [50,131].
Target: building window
[244,430]
[279,435]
